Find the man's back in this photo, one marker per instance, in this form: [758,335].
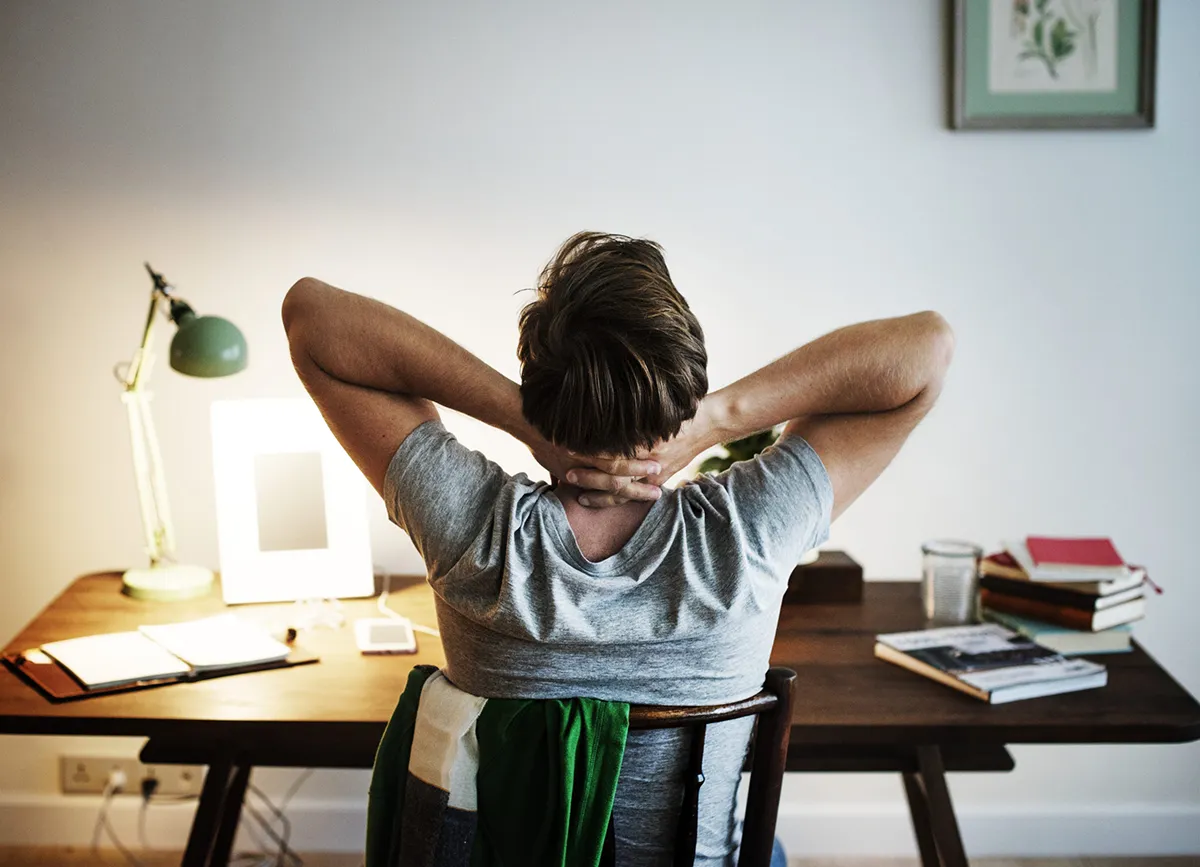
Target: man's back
[684,613]
[614,391]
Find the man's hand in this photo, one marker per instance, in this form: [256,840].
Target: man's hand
[607,480]
[701,432]
[611,481]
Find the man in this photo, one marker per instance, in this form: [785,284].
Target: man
[604,584]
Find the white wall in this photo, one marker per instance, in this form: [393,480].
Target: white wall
[792,158]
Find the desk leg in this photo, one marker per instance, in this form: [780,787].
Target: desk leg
[918,807]
[932,812]
[211,839]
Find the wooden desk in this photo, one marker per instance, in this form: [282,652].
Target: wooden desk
[853,713]
[857,713]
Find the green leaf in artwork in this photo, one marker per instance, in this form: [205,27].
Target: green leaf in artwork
[1062,39]
[1041,5]
[1039,31]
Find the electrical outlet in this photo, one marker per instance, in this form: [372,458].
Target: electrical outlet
[89,775]
[176,779]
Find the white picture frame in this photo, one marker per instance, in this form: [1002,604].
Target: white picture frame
[241,431]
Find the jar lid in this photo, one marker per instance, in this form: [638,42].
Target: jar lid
[952,548]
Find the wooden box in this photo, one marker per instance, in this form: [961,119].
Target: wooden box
[833,579]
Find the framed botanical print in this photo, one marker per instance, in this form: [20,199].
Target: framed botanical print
[1053,64]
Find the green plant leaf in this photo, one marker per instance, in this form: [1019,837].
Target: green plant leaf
[748,447]
[716,464]
[1041,5]
[1039,30]
[1062,39]
[739,450]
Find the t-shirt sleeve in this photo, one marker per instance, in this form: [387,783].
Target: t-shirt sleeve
[441,493]
[780,501]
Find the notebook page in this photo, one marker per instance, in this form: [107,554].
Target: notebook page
[224,641]
[119,657]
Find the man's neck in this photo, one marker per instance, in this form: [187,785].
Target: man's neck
[600,533]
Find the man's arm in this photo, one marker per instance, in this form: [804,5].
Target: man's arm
[375,373]
[854,395]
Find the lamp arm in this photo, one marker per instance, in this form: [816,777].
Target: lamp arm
[139,368]
[162,532]
[144,472]
[147,461]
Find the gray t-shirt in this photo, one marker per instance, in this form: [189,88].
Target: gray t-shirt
[684,614]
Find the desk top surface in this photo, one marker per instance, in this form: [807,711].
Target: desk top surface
[845,695]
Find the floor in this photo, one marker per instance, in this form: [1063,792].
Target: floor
[1185,861]
[70,857]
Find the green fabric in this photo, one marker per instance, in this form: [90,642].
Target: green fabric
[547,779]
[385,797]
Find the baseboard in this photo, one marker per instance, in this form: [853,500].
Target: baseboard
[867,830]
[58,820]
[1049,831]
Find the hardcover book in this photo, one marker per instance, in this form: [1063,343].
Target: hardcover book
[1047,570]
[1061,639]
[1063,615]
[1082,553]
[1060,594]
[1003,565]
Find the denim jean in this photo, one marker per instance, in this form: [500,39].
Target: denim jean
[778,856]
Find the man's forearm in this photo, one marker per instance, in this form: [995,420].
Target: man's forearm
[873,366]
[365,342]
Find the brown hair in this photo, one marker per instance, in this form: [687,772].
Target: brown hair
[612,358]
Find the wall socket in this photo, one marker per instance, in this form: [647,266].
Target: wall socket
[89,775]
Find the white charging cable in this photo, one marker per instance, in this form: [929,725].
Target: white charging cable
[113,786]
[386,611]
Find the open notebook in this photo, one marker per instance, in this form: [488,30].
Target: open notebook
[174,651]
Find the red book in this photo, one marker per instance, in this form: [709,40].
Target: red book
[1045,550]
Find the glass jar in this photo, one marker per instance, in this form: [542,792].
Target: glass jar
[949,581]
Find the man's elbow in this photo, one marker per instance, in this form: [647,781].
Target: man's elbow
[299,301]
[938,340]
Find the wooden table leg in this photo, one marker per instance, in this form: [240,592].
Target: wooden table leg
[943,825]
[231,816]
[918,808]
[211,839]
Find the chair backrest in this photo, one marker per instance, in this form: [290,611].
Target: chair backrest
[773,707]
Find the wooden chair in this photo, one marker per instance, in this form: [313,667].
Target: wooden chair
[773,707]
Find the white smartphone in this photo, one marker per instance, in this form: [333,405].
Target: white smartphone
[385,635]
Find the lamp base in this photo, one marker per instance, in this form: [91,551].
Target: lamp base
[173,582]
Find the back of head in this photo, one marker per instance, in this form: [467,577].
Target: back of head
[612,358]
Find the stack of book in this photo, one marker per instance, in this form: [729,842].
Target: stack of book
[1073,596]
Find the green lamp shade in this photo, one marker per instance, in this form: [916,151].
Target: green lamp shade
[207,346]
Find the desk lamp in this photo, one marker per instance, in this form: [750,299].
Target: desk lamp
[203,346]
